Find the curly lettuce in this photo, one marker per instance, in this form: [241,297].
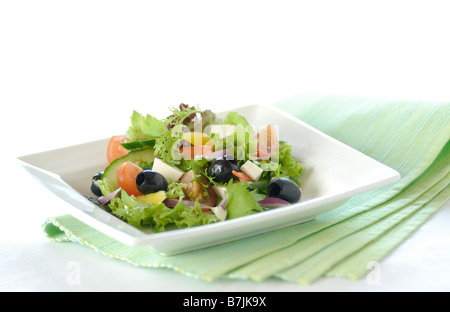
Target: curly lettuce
[289,167]
[159,216]
[140,214]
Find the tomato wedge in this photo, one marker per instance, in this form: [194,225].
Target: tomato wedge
[126,178]
[115,149]
[189,152]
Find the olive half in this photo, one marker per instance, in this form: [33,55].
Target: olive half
[149,182]
[285,189]
[94,186]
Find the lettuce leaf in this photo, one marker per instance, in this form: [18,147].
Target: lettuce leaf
[139,214]
[144,128]
[175,190]
[241,202]
[133,211]
[185,216]
[242,142]
[286,167]
[159,216]
[289,166]
[105,187]
[235,119]
[167,145]
[208,118]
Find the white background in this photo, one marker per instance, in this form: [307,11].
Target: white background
[73,71]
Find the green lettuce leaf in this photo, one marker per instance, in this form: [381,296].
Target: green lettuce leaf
[242,141]
[144,128]
[159,216]
[289,166]
[186,216]
[235,119]
[241,202]
[175,190]
[286,167]
[167,145]
[105,187]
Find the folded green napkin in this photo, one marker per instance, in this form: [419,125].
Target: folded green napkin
[409,136]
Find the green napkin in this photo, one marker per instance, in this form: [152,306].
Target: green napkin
[409,136]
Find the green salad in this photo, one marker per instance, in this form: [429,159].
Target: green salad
[193,168]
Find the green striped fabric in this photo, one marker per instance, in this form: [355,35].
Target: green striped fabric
[409,136]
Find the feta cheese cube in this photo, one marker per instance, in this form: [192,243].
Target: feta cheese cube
[220,212]
[220,191]
[252,170]
[172,174]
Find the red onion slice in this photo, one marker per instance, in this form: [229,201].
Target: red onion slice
[171,203]
[223,204]
[105,199]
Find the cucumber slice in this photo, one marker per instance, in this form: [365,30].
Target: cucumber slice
[138,144]
[143,155]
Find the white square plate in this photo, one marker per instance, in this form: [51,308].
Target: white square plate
[332,173]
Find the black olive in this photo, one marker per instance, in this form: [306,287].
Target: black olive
[234,163]
[149,181]
[221,171]
[95,189]
[284,189]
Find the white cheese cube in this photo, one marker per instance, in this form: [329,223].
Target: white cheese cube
[252,170]
[172,174]
[220,212]
[220,191]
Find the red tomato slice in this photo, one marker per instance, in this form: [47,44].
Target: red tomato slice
[126,178]
[115,149]
[189,152]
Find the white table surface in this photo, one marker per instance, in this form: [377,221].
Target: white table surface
[70,75]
